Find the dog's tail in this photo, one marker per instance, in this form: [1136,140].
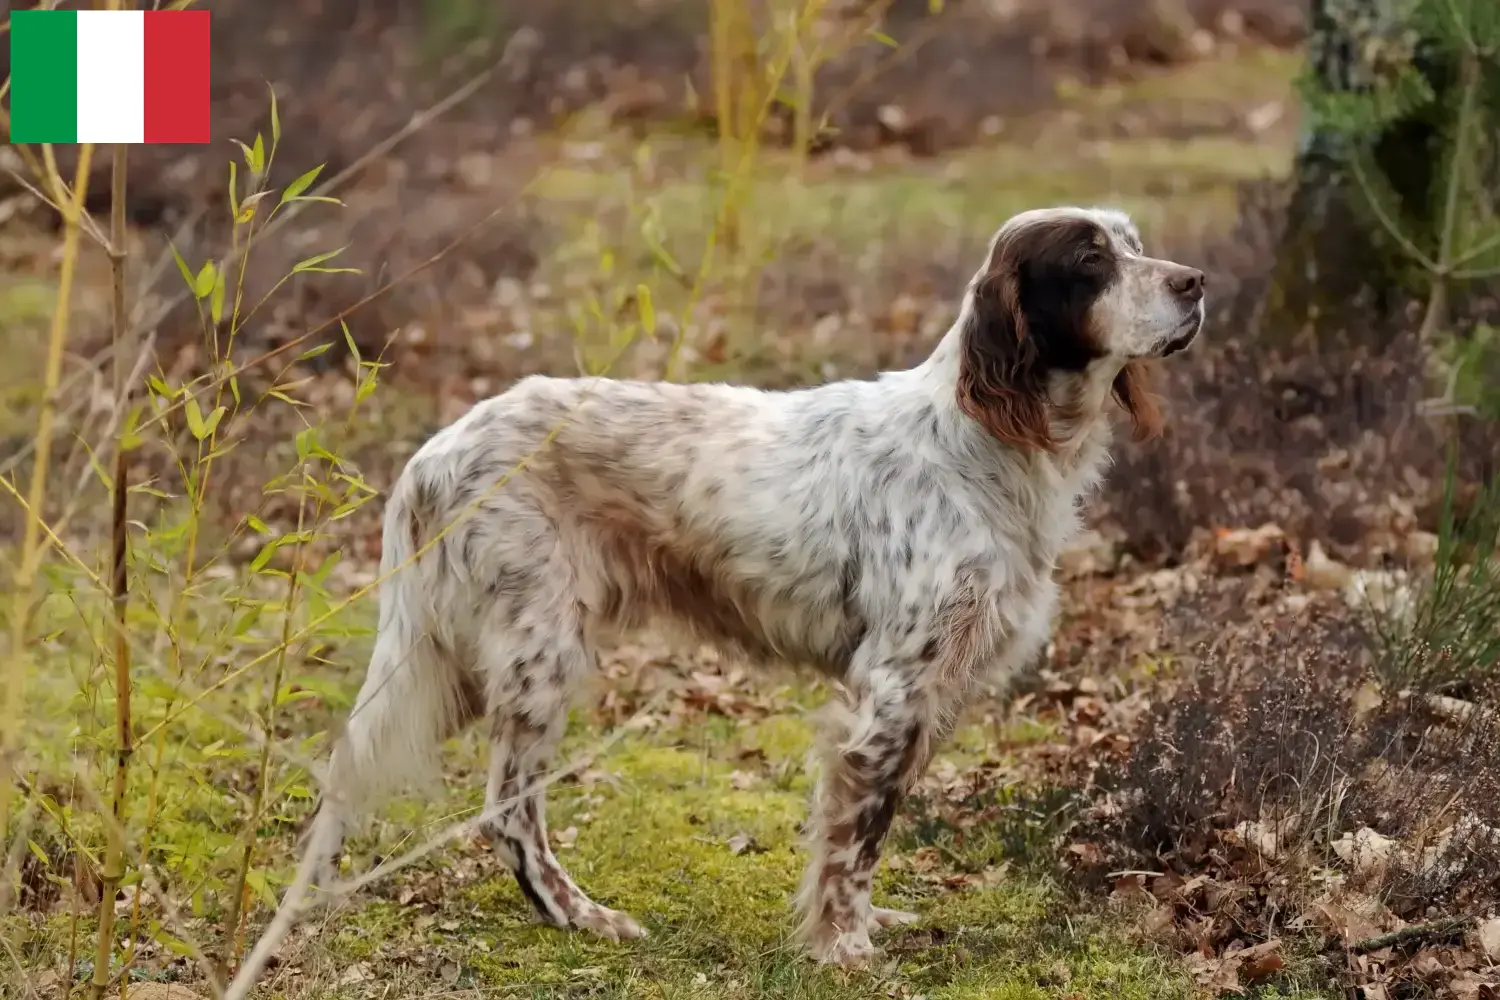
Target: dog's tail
[416,692]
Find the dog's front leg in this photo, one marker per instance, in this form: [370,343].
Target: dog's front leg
[872,751]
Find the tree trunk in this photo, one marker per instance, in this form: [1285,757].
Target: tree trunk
[1339,270]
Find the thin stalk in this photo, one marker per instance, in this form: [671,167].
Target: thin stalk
[72,959]
[725,27]
[232,919]
[23,597]
[1437,299]
[804,65]
[114,860]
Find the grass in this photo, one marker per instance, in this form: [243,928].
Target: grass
[1251,77]
[1445,640]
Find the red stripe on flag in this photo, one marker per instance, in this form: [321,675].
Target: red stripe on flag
[177,83]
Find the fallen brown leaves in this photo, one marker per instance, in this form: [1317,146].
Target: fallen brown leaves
[691,683]
[1250,874]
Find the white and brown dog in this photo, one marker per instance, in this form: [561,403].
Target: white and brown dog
[898,534]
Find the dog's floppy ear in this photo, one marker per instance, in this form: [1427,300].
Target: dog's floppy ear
[1132,388]
[1001,380]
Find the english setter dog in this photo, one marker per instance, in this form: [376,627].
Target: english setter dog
[899,534]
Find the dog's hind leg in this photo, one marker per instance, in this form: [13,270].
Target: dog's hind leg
[533,673]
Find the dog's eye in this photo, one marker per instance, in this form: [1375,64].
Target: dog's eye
[1092,256]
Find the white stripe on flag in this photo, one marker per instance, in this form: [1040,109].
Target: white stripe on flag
[111,76]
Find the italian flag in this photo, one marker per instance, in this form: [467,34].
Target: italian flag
[109,76]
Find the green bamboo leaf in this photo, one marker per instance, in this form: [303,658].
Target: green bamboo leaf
[158,385]
[175,945]
[648,309]
[275,118]
[194,418]
[104,477]
[216,299]
[264,555]
[349,342]
[278,394]
[257,881]
[300,184]
[203,284]
[312,262]
[130,435]
[246,152]
[247,621]
[187,272]
[367,385]
[307,442]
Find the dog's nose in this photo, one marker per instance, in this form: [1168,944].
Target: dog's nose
[1187,283]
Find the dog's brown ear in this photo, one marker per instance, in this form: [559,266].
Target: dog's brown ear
[1001,381]
[1133,389]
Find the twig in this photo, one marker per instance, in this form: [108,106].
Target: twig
[1432,930]
[1451,709]
[89,225]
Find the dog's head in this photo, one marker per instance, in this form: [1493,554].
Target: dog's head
[1069,291]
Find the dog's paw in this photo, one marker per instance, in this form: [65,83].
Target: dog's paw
[325,875]
[846,951]
[607,923]
[883,919]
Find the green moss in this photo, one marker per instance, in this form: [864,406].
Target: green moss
[371,924]
[655,840]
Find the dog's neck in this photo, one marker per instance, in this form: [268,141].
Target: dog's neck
[1080,402]
[1079,405]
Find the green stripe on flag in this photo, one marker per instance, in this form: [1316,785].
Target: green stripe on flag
[44,76]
